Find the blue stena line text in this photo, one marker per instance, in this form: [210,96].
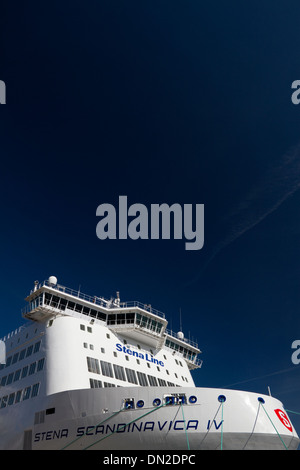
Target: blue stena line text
[139,355]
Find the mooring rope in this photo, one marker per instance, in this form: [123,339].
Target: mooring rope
[274,426]
[124,426]
[222,425]
[93,427]
[186,434]
[295,412]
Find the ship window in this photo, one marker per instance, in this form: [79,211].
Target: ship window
[37,347]
[22,354]
[32,368]
[162,382]
[4,401]
[89,329]
[175,399]
[17,375]
[128,403]
[86,310]
[152,381]
[29,350]
[142,379]
[82,327]
[26,393]
[93,365]
[106,369]
[95,383]
[121,319]
[130,317]
[78,308]
[3,381]
[131,376]
[8,361]
[111,319]
[119,372]
[15,358]
[71,305]
[40,365]
[35,390]
[11,398]
[63,304]
[55,301]
[85,345]
[101,316]
[9,379]
[18,396]
[24,372]
[50,411]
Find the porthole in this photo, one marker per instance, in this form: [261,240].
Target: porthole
[156,402]
[261,400]
[221,398]
[140,403]
[193,399]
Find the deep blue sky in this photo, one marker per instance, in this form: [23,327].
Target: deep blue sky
[174,101]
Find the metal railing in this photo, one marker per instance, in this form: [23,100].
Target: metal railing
[102,302]
[184,339]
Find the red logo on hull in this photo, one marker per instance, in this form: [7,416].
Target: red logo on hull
[284,419]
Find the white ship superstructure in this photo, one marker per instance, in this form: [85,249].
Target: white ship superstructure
[89,373]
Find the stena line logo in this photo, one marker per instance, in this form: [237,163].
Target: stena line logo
[139,355]
[284,419]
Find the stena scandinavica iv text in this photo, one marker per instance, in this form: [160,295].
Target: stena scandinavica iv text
[161,221]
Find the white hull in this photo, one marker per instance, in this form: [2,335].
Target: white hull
[94,419]
[88,373]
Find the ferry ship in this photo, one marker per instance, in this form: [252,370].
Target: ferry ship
[88,373]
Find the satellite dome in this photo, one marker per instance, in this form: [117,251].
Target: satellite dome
[180,335]
[52,280]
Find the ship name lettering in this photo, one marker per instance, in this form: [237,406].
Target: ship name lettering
[49,435]
[142,426]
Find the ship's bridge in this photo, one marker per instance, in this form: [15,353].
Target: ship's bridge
[133,320]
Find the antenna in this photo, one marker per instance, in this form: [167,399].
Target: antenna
[180,319]
[180,334]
